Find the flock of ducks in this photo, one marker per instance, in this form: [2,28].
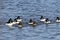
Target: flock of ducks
[18,21]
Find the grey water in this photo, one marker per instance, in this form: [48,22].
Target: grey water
[29,9]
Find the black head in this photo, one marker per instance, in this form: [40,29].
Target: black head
[41,17]
[10,21]
[57,18]
[15,20]
[47,19]
[18,17]
[30,20]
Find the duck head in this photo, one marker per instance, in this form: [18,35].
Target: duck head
[10,21]
[30,20]
[47,20]
[41,17]
[18,17]
[15,20]
[57,18]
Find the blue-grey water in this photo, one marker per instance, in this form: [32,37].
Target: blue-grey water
[29,9]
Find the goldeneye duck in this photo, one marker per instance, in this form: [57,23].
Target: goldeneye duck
[30,22]
[15,21]
[10,22]
[19,19]
[42,19]
[47,21]
[57,19]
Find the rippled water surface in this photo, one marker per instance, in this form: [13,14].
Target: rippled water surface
[29,9]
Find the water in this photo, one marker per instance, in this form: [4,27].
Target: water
[29,9]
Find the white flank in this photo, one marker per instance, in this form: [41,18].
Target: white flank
[19,20]
[15,22]
[48,22]
[42,20]
[19,25]
[9,24]
[57,20]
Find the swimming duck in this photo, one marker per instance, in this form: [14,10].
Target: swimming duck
[30,22]
[10,22]
[57,19]
[20,24]
[19,19]
[47,21]
[42,19]
[15,21]
[34,23]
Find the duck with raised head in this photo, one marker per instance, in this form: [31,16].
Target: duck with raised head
[20,24]
[10,22]
[42,19]
[19,19]
[57,19]
[30,22]
[47,21]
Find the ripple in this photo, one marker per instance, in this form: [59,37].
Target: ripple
[30,9]
[52,37]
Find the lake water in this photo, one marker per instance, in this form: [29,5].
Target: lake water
[29,9]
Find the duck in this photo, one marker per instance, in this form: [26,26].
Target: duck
[30,22]
[15,21]
[47,21]
[42,19]
[20,24]
[10,22]
[57,19]
[33,23]
[19,19]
